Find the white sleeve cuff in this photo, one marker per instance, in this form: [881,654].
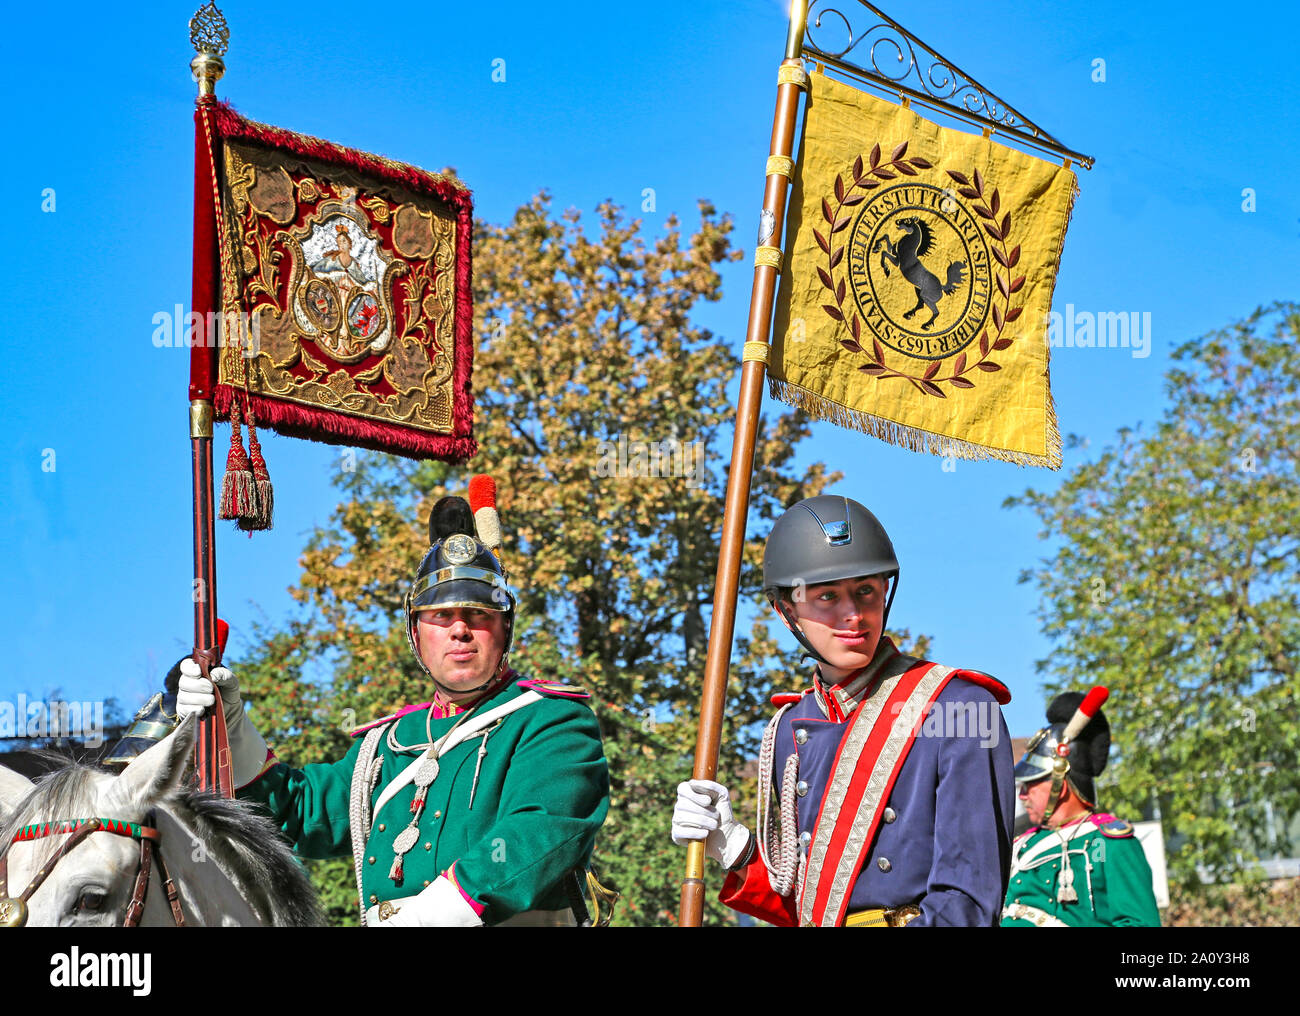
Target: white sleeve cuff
[439,905]
[735,847]
[247,751]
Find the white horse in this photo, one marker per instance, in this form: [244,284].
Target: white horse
[228,863]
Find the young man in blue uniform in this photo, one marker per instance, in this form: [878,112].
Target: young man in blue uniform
[892,775]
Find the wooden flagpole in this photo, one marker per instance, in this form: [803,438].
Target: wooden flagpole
[209,35]
[767,269]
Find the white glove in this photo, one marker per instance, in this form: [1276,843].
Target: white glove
[439,905]
[194,691]
[703,812]
[194,694]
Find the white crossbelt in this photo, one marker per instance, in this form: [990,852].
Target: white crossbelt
[528,919]
[1024,912]
[1048,848]
[457,736]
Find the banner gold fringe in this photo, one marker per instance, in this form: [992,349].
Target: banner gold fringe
[912,438]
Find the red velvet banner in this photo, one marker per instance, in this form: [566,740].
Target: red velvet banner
[344,283]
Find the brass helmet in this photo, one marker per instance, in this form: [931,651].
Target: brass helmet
[1073,748]
[157,717]
[459,570]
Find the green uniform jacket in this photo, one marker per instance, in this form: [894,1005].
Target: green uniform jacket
[1111,876]
[514,829]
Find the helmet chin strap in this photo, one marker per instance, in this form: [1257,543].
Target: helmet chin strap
[893,588]
[793,622]
[1059,768]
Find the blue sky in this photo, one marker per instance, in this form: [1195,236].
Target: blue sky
[596,103]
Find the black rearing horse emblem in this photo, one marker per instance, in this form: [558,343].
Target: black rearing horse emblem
[907,256]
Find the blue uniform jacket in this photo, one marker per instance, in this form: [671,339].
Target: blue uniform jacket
[944,842]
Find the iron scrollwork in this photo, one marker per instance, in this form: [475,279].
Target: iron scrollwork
[897,60]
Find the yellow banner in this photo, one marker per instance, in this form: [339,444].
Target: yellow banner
[918,281]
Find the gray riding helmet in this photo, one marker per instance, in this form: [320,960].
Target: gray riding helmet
[825,539]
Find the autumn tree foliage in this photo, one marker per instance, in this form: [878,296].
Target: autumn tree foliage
[1174,583]
[602,411]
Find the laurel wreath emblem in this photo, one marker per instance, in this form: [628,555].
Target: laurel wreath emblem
[867,176]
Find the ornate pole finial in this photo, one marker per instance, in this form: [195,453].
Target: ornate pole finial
[210,38]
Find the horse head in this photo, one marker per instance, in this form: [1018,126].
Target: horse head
[919,238]
[229,864]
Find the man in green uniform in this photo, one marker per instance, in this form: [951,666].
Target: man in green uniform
[479,807]
[1074,867]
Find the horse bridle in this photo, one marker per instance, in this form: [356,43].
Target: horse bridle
[13,910]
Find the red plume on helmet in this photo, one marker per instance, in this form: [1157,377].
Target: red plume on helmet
[483,503]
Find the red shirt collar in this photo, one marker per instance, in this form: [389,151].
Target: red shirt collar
[441,710]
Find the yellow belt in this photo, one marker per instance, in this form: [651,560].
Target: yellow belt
[895,918]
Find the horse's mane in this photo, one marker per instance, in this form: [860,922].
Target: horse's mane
[260,862]
[927,238]
[256,856]
[60,793]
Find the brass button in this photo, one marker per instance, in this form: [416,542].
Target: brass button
[883,864]
[381,827]
[370,860]
[437,814]
[890,814]
[801,736]
[428,846]
[426,883]
[801,788]
[374,898]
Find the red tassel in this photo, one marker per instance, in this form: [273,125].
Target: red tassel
[237,487]
[263,494]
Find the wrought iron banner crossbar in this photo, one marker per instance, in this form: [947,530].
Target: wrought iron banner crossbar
[884,54]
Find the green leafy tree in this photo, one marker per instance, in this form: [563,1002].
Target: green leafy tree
[602,412]
[1174,583]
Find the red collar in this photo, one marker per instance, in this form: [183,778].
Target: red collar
[441,710]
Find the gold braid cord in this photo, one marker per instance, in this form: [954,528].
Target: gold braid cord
[229,284]
[780,165]
[792,74]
